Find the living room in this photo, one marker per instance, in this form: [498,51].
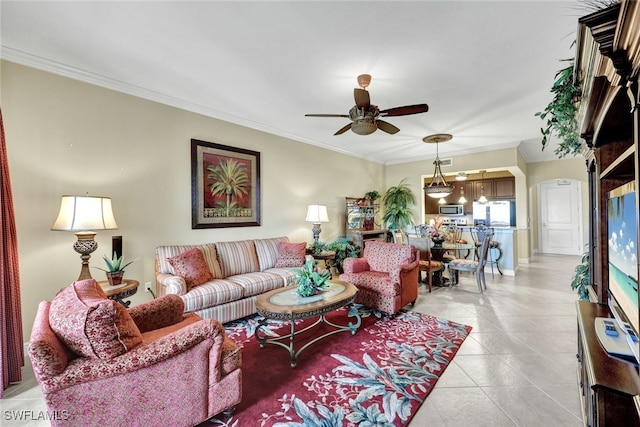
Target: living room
[65,136]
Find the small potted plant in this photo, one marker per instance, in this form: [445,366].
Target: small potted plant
[343,248]
[310,279]
[115,268]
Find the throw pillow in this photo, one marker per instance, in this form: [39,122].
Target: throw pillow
[267,250]
[191,266]
[90,324]
[291,254]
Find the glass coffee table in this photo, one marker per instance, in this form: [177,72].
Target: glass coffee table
[285,304]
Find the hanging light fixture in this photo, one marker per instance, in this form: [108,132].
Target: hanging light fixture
[462,199]
[461,176]
[438,188]
[482,198]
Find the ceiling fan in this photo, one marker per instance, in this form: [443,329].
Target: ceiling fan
[365,117]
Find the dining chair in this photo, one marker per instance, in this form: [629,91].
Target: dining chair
[399,237]
[478,234]
[423,246]
[472,265]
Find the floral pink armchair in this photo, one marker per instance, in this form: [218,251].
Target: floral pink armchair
[100,364]
[386,276]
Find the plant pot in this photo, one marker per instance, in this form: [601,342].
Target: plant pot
[115,277]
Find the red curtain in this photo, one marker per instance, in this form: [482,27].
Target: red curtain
[11,345]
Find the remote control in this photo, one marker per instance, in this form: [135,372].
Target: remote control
[610,328]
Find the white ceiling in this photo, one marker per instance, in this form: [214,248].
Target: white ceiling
[483,67]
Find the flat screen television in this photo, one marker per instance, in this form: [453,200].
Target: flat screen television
[622,234]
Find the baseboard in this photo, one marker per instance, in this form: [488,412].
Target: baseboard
[524,260]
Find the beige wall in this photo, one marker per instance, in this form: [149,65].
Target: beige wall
[67,137]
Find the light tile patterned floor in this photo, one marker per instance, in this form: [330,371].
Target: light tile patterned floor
[517,368]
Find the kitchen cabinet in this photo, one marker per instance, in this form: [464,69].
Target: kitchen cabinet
[483,185]
[504,188]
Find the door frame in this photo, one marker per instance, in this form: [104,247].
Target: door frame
[577,187]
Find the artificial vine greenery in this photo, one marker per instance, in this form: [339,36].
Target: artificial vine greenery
[561,113]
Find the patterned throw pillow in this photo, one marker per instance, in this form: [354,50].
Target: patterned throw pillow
[191,266]
[291,254]
[90,324]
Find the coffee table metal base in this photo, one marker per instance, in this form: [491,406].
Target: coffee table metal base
[351,327]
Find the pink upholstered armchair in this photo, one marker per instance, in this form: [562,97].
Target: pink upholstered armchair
[99,364]
[386,276]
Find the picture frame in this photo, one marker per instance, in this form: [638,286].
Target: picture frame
[225,186]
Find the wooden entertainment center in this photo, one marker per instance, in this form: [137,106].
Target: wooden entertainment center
[607,68]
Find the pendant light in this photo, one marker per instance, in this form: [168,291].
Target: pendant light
[462,199]
[482,199]
[438,188]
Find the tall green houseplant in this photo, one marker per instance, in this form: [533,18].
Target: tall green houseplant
[398,202]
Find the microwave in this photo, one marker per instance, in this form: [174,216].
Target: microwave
[451,210]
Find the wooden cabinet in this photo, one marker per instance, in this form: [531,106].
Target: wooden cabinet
[360,237]
[483,186]
[607,63]
[362,214]
[363,221]
[504,188]
[607,385]
[430,205]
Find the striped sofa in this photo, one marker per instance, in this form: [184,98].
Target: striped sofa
[241,271]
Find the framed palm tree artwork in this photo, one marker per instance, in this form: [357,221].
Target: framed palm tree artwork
[225,186]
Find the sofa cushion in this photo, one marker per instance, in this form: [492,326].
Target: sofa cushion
[267,251]
[237,257]
[212,293]
[191,266]
[291,254]
[90,324]
[383,256]
[258,283]
[163,253]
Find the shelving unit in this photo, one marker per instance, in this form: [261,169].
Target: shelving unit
[363,220]
[607,66]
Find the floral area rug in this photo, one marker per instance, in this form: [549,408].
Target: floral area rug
[378,377]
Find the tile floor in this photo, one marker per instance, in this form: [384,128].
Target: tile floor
[517,368]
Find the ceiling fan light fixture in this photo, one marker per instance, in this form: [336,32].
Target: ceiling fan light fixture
[364,80]
[363,127]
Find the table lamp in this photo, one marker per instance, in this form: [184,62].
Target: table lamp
[317,214]
[83,214]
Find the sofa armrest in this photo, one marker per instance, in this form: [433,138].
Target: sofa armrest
[173,284]
[83,370]
[355,265]
[158,313]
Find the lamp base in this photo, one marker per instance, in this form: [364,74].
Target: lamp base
[85,245]
[316,231]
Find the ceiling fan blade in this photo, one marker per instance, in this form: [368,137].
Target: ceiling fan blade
[387,127]
[362,98]
[327,115]
[343,130]
[406,110]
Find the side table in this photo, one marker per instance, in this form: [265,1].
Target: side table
[328,257]
[119,292]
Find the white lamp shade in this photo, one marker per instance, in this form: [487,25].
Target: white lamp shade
[85,213]
[317,214]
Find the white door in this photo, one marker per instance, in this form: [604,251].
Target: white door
[560,218]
